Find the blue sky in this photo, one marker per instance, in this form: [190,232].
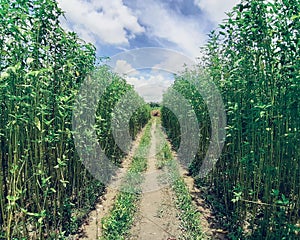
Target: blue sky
[115,26]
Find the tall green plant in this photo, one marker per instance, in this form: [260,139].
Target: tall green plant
[253,58]
[44,187]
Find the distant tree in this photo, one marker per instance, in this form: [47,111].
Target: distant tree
[154,105]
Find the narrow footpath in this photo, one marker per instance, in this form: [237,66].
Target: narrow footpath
[91,228]
[157,217]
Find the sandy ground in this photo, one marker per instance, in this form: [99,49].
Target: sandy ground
[209,224]
[91,228]
[157,215]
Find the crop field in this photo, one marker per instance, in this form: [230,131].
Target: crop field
[61,151]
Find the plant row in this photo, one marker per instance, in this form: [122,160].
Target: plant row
[253,59]
[188,214]
[44,188]
[120,219]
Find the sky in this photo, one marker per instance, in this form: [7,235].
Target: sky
[116,27]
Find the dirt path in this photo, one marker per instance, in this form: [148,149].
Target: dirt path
[91,228]
[157,215]
[210,226]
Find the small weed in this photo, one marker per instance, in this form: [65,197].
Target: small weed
[190,219]
[121,217]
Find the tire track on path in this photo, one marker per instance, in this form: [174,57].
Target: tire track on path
[157,217]
[91,228]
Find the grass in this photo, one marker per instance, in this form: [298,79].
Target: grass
[117,224]
[188,214]
[45,188]
[252,58]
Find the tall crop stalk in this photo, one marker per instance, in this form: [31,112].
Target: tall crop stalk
[253,58]
[45,189]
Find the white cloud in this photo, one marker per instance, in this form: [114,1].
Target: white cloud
[106,23]
[151,87]
[149,84]
[174,62]
[111,22]
[187,34]
[216,8]
[123,67]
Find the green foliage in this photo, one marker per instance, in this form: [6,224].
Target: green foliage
[44,187]
[117,89]
[254,60]
[188,214]
[154,105]
[120,219]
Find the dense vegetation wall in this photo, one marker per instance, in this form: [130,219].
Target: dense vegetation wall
[44,187]
[253,58]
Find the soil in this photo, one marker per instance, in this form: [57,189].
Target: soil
[210,226]
[157,217]
[91,228]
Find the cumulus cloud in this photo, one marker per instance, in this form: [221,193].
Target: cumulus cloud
[174,62]
[151,86]
[117,23]
[186,34]
[126,24]
[149,83]
[216,8]
[123,67]
[108,22]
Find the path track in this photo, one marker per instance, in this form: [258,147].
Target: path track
[91,228]
[157,215]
